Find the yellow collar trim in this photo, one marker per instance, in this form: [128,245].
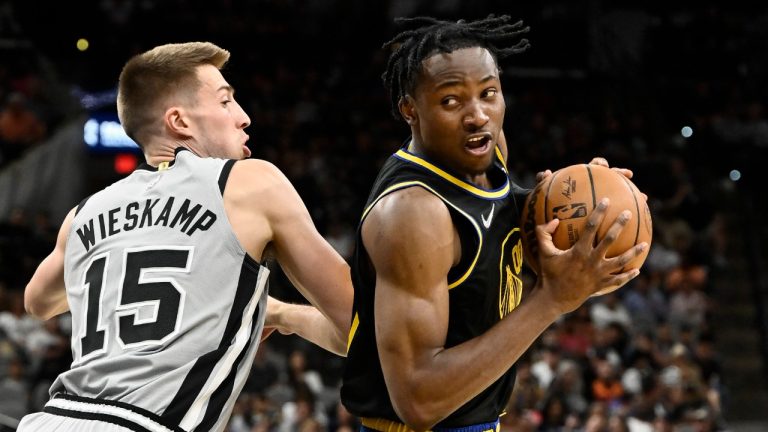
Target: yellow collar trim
[498,193]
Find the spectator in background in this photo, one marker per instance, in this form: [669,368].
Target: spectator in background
[608,309]
[527,392]
[14,390]
[302,413]
[545,368]
[569,385]
[688,303]
[645,303]
[577,334]
[342,420]
[606,386]
[268,375]
[20,127]
[49,346]
[15,322]
[299,375]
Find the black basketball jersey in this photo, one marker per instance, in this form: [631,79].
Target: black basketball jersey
[484,286]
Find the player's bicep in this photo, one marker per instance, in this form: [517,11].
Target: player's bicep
[409,237]
[311,263]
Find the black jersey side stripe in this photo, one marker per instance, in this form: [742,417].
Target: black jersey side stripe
[222,394]
[82,203]
[96,417]
[225,170]
[204,366]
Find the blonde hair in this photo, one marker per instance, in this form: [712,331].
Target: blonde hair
[150,78]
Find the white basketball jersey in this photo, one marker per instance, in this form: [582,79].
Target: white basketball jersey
[167,306]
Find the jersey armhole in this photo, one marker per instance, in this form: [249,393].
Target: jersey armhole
[469,247]
[82,204]
[224,175]
[250,261]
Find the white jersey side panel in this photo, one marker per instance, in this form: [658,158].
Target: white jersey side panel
[167,307]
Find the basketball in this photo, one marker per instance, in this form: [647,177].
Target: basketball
[570,194]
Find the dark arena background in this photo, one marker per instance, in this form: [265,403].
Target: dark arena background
[675,91]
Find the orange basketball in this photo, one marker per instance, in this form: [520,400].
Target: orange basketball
[570,194]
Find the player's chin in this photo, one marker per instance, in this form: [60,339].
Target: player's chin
[479,164]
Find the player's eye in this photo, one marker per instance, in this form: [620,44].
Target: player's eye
[449,101]
[490,92]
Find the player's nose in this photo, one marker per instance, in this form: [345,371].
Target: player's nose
[475,116]
[242,119]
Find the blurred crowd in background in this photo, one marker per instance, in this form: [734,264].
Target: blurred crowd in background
[604,80]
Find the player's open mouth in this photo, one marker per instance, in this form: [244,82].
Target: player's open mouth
[479,143]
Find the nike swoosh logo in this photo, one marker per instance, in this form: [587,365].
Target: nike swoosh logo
[487,222]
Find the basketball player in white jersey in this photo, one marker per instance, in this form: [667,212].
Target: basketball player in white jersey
[161,270]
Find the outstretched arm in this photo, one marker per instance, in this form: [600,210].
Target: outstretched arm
[311,264]
[305,321]
[45,295]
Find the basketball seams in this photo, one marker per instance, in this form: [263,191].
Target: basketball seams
[637,207]
[571,196]
[637,213]
[591,185]
[594,197]
[546,195]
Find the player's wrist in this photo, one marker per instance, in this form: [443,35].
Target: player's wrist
[548,306]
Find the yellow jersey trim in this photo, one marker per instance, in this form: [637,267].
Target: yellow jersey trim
[404,185]
[353,330]
[501,158]
[498,193]
[384,425]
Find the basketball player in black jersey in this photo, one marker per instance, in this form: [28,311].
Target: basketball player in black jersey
[440,312]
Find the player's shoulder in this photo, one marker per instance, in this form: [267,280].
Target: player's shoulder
[258,169]
[255,175]
[411,203]
[97,199]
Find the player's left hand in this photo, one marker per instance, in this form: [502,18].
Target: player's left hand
[274,318]
[542,175]
[603,162]
[623,171]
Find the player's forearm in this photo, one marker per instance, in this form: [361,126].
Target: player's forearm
[435,388]
[309,323]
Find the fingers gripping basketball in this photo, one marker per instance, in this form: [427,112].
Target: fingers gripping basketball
[570,195]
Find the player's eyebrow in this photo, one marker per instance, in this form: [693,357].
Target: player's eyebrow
[450,82]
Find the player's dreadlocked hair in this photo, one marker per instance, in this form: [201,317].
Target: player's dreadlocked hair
[426,36]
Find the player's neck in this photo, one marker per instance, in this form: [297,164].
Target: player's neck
[156,156]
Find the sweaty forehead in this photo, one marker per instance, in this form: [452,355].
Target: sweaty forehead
[474,62]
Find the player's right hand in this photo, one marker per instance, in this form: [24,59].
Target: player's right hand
[572,276]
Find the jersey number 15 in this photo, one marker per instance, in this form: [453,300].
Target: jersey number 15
[137,290]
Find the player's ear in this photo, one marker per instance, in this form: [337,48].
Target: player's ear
[407,109]
[176,121]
